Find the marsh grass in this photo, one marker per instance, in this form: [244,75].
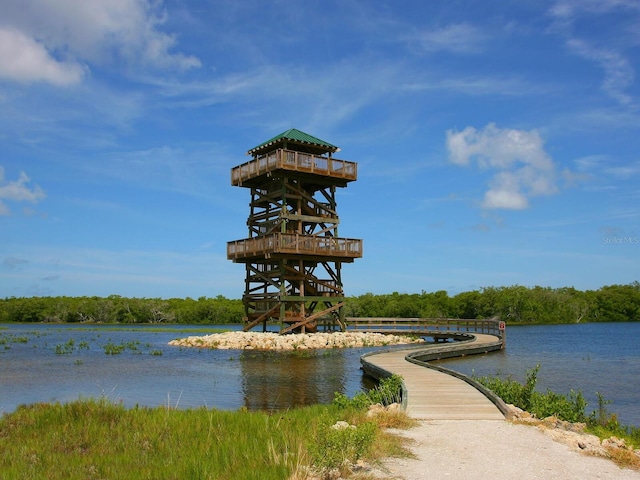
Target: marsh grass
[97,439]
[4,339]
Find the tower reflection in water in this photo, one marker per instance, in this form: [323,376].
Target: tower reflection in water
[281,380]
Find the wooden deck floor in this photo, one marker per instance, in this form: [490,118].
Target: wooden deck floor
[434,395]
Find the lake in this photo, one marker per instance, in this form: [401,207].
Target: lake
[135,365]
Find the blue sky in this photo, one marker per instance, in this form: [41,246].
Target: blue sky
[498,142]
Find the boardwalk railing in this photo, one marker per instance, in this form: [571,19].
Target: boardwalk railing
[435,327]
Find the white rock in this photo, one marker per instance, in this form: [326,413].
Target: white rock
[273,341]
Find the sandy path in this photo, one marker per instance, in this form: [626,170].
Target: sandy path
[483,449]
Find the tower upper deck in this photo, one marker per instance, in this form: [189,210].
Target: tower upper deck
[294,153]
[338,172]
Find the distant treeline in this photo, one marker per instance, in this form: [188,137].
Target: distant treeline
[117,309]
[515,305]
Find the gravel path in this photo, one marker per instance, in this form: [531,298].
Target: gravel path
[482,449]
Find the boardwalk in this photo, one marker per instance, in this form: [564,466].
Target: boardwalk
[432,394]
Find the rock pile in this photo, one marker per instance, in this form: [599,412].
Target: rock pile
[302,341]
[571,434]
[379,409]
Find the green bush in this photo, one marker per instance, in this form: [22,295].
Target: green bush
[341,444]
[511,391]
[570,408]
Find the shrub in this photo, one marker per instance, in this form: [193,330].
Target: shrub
[570,408]
[511,391]
[341,444]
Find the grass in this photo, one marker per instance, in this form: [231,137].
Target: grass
[388,392]
[97,439]
[4,339]
[89,439]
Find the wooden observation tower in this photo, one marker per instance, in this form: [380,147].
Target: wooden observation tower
[293,254]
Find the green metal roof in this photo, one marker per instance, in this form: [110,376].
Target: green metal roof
[296,136]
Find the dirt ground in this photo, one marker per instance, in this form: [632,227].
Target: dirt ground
[482,449]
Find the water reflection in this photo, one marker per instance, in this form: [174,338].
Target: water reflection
[281,380]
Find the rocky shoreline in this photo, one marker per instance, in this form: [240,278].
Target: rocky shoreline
[573,435]
[302,341]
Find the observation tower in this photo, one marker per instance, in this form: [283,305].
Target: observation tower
[293,255]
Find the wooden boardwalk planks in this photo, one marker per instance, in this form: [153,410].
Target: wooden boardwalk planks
[435,395]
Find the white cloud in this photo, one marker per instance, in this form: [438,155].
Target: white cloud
[18,191]
[23,59]
[91,31]
[523,168]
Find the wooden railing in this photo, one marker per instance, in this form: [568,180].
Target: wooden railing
[426,326]
[295,161]
[294,244]
[327,287]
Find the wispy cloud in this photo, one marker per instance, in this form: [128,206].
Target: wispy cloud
[568,9]
[609,53]
[454,38]
[479,85]
[341,91]
[14,262]
[625,171]
[604,165]
[618,73]
[193,170]
[523,169]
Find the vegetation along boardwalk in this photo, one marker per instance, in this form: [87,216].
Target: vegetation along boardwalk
[434,393]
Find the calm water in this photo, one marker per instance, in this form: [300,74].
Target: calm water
[591,358]
[37,370]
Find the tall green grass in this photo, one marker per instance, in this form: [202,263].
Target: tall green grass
[97,439]
[388,391]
